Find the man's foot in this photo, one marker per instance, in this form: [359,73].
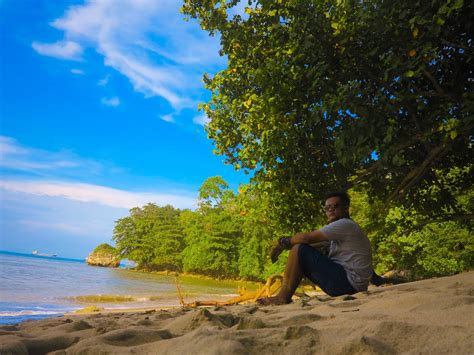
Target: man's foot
[272,301]
[377,280]
[395,280]
[381,280]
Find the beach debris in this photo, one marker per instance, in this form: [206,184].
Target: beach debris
[272,285]
[178,287]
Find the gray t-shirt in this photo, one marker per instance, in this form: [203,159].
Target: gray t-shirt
[350,248]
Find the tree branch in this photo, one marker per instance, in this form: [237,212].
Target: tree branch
[416,174]
[416,138]
[437,87]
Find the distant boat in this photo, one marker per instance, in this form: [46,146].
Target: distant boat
[35,252]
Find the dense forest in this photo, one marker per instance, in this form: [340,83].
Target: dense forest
[229,236]
[372,97]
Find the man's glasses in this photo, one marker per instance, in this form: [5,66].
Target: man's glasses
[332,207]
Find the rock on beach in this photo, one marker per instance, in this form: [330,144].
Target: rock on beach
[104,255]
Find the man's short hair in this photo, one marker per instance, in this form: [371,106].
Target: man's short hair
[343,197]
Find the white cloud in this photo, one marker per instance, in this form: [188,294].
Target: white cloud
[167,118]
[113,101]
[18,157]
[201,120]
[77,71]
[148,42]
[97,194]
[104,82]
[8,145]
[61,50]
[46,173]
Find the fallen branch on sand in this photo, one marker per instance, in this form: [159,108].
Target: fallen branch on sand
[272,285]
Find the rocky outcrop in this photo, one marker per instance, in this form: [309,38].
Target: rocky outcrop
[104,255]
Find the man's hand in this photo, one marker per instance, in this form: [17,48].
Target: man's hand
[277,249]
[284,243]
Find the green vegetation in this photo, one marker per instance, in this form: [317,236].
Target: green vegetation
[105,249]
[328,94]
[228,236]
[89,309]
[151,236]
[104,298]
[375,97]
[404,239]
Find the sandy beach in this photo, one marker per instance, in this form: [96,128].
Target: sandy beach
[434,316]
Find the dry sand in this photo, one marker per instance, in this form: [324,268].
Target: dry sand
[426,317]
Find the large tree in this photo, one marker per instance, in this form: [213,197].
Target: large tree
[151,236]
[327,94]
[212,232]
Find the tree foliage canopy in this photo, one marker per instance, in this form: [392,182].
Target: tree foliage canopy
[105,248]
[327,94]
[151,236]
[212,232]
[232,238]
[372,96]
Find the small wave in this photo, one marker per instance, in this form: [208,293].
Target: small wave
[120,298]
[27,313]
[143,299]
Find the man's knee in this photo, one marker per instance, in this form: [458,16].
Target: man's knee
[302,248]
[307,252]
[295,249]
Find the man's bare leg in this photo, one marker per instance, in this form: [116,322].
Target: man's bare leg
[291,279]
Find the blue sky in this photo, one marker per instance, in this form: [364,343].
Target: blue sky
[98,110]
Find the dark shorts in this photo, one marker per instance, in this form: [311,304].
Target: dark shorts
[328,275]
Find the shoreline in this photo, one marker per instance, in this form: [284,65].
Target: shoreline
[193,276]
[428,316]
[38,288]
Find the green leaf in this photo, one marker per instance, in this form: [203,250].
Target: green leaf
[458,4]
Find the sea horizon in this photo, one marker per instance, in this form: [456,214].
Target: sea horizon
[41,255]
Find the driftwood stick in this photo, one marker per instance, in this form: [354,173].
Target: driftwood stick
[272,285]
[178,288]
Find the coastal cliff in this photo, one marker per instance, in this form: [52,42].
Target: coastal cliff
[104,255]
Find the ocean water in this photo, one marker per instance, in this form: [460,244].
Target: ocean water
[36,287]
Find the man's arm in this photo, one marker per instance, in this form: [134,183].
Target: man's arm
[320,244]
[313,237]
[299,238]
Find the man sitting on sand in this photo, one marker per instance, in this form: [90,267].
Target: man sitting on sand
[347,269]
